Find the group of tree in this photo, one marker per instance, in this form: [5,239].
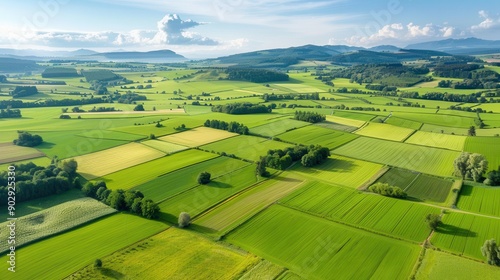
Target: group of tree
[470,166]
[242,108]
[281,159]
[308,116]
[493,178]
[455,70]
[121,200]
[291,96]
[451,97]
[4,104]
[23,91]
[129,98]
[491,251]
[27,139]
[59,72]
[255,75]
[380,87]
[10,113]
[34,181]
[235,127]
[433,221]
[387,190]
[139,107]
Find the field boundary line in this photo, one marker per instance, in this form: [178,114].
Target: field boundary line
[408,136]
[374,178]
[411,183]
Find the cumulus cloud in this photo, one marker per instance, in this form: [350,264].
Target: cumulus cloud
[487,23]
[172,30]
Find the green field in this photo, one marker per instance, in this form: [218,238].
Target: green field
[480,199]
[404,123]
[437,119]
[385,131]
[445,129]
[345,121]
[263,270]
[197,136]
[398,177]
[83,246]
[280,126]
[163,146]
[429,188]
[317,249]
[399,218]
[313,135]
[196,257]
[488,147]
[423,159]
[444,141]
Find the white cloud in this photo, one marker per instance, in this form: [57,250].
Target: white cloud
[487,23]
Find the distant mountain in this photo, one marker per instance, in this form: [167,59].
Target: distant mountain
[385,48]
[160,56]
[460,46]
[12,65]
[30,53]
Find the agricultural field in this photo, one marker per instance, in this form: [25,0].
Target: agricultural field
[88,241]
[398,177]
[429,188]
[422,159]
[163,146]
[56,219]
[340,170]
[399,218]
[196,257]
[345,121]
[444,141]
[385,131]
[488,147]
[479,199]
[316,248]
[437,119]
[197,136]
[11,153]
[404,123]
[263,270]
[444,129]
[280,126]
[313,135]
[98,164]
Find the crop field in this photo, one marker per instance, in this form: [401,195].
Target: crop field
[404,123]
[488,147]
[140,174]
[196,257]
[196,200]
[263,270]
[429,188]
[465,233]
[245,146]
[444,129]
[364,117]
[185,178]
[341,171]
[345,121]
[55,219]
[385,131]
[480,199]
[88,241]
[336,126]
[163,146]
[437,119]
[317,249]
[314,135]
[111,135]
[280,126]
[438,140]
[10,153]
[399,218]
[98,164]
[422,159]
[398,177]
[197,136]
[245,205]
[288,275]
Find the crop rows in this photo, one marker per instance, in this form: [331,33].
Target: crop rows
[445,141]
[488,147]
[314,135]
[274,128]
[431,188]
[197,137]
[385,131]
[480,199]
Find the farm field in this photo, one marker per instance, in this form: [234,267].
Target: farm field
[404,123]
[243,206]
[197,136]
[429,188]
[422,159]
[163,146]
[340,170]
[10,153]
[487,146]
[196,257]
[444,129]
[398,177]
[345,121]
[277,127]
[98,164]
[139,174]
[479,199]
[288,237]
[437,119]
[444,141]
[399,218]
[263,270]
[88,241]
[55,219]
[385,131]
[314,135]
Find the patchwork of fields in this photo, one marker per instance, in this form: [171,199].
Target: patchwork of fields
[313,135]
[197,136]
[385,131]
[444,141]
[480,199]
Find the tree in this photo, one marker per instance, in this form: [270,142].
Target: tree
[472,131]
[433,221]
[471,166]
[98,263]
[261,167]
[184,220]
[70,166]
[150,209]
[204,178]
[116,199]
[27,139]
[491,251]
[386,190]
[139,107]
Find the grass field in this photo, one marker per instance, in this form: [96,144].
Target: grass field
[245,146]
[263,270]
[398,177]
[280,126]
[89,243]
[345,121]
[55,219]
[429,188]
[404,123]
[317,249]
[480,199]
[399,218]
[341,171]
[423,159]
[313,135]
[385,131]
[465,233]
[437,119]
[98,164]
[238,209]
[163,146]
[444,129]
[140,174]
[197,136]
[488,147]
[444,141]
[196,257]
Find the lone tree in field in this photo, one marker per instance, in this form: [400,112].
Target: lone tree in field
[27,139]
[184,220]
[491,251]
[433,221]
[98,263]
[139,107]
[471,166]
[472,131]
[204,178]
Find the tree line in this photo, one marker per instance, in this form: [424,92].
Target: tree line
[4,104]
[27,139]
[242,108]
[255,75]
[235,127]
[290,96]
[281,159]
[22,91]
[308,116]
[10,113]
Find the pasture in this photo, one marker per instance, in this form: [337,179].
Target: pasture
[197,136]
[488,147]
[385,131]
[437,140]
[480,199]
[10,153]
[314,135]
[277,127]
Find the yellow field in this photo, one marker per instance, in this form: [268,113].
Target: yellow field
[197,136]
[345,121]
[10,153]
[385,131]
[445,141]
[98,164]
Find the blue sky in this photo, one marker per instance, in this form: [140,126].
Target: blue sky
[208,28]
